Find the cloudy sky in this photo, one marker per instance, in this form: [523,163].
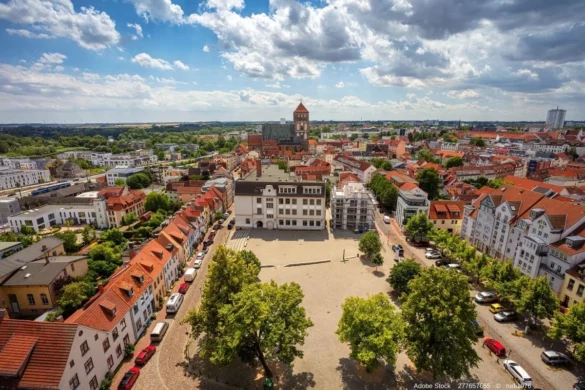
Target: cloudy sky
[230,60]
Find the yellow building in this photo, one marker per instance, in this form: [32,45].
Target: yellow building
[32,289]
[573,286]
[447,215]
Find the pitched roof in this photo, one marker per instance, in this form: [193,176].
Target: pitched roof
[39,350]
[301,108]
[26,255]
[531,184]
[41,272]
[446,209]
[98,313]
[125,280]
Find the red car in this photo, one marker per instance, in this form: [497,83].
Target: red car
[495,346]
[145,355]
[183,288]
[129,379]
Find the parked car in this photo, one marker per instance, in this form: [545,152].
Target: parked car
[190,275]
[441,263]
[231,224]
[145,355]
[433,255]
[495,346]
[496,308]
[129,379]
[477,328]
[197,263]
[519,374]
[486,297]
[420,244]
[184,287]
[200,256]
[454,266]
[229,212]
[174,303]
[207,243]
[429,249]
[226,215]
[554,357]
[386,219]
[159,331]
[506,316]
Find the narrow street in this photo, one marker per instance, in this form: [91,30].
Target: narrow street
[524,350]
[167,368]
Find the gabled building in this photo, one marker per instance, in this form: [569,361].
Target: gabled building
[411,201]
[362,169]
[113,204]
[446,215]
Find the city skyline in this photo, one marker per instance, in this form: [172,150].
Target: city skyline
[174,61]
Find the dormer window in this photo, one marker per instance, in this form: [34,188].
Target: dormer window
[569,243]
[139,278]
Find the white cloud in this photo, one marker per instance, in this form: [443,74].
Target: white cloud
[121,58]
[206,49]
[89,28]
[277,85]
[342,84]
[159,10]
[27,33]
[465,94]
[52,58]
[146,61]
[229,77]
[137,28]
[179,65]
[321,87]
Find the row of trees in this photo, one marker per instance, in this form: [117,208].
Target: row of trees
[434,325]
[385,192]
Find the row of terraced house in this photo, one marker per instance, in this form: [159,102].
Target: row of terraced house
[92,340]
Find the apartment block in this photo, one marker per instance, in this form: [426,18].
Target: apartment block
[121,172]
[15,178]
[352,207]
[53,215]
[411,201]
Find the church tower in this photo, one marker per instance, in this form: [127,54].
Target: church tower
[301,122]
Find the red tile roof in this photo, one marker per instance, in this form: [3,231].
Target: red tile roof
[531,184]
[48,358]
[15,354]
[301,108]
[446,209]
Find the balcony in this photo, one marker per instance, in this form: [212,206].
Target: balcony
[551,271]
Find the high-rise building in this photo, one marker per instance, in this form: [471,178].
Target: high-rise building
[555,119]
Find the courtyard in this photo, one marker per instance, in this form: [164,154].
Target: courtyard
[326,282]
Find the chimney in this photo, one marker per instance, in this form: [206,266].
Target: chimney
[44,248]
[258,168]
[4,314]
[47,260]
[131,251]
[100,288]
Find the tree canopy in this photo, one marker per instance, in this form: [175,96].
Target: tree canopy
[454,162]
[373,328]
[119,182]
[418,227]
[370,243]
[572,326]
[156,201]
[113,235]
[138,181]
[537,299]
[430,182]
[74,295]
[381,163]
[477,141]
[402,273]
[439,331]
[70,240]
[385,192]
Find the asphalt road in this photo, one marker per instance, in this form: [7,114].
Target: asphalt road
[524,350]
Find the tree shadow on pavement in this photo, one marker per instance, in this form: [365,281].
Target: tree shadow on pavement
[378,274]
[286,379]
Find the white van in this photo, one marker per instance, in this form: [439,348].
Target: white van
[174,303]
[386,219]
[190,274]
[519,374]
[159,331]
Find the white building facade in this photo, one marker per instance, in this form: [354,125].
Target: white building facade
[14,178]
[409,204]
[352,207]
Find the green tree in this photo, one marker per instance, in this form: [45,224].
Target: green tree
[418,227]
[537,300]
[138,181]
[74,296]
[377,259]
[373,328]
[572,326]
[370,244]
[439,331]
[4,147]
[113,235]
[27,230]
[108,252]
[428,156]
[250,258]
[156,219]
[477,141]
[430,182]
[70,239]
[228,274]
[156,201]
[119,182]
[88,234]
[386,193]
[381,163]
[265,320]
[402,273]
[129,218]
[454,162]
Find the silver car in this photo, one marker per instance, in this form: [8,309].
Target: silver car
[486,297]
[554,357]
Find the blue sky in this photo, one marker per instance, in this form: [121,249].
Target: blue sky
[230,60]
